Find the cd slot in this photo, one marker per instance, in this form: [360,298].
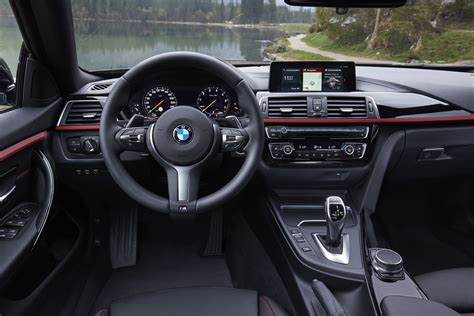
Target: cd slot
[286,132]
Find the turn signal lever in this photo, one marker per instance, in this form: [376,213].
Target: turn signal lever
[335,216]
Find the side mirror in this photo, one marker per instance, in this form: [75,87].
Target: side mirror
[7,86]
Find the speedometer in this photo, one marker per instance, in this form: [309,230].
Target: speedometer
[214,101]
[157,100]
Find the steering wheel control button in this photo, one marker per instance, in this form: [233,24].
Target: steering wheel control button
[387,264]
[183,134]
[232,139]
[133,139]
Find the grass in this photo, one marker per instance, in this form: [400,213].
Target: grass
[294,54]
[448,47]
[294,27]
[442,48]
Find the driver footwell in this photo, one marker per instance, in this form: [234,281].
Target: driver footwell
[168,256]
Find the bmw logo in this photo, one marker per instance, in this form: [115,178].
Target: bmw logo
[182,134]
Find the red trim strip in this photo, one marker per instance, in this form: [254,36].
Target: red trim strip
[405,120]
[77,127]
[27,142]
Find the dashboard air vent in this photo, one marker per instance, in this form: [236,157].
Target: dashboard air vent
[84,112]
[287,106]
[100,86]
[346,106]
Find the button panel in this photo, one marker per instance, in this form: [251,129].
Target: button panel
[14,224]
[88,145]
[308,151]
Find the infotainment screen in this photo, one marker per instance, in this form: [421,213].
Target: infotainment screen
[324,76]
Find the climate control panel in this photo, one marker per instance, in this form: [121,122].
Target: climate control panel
[317,151]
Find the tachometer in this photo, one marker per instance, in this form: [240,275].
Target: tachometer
[214,101]
[158,100]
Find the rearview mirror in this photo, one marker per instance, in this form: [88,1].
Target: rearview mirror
[348,3]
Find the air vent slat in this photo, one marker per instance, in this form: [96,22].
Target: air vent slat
[287,107]
[347,107]
[100,86]
[84,112]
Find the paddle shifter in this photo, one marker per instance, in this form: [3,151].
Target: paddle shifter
[335,215]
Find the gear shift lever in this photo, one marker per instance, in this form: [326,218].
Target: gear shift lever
[335,215]
[334,245]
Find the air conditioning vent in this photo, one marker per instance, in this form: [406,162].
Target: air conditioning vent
[100,86]
[287,107]
[340,107]
[84,112]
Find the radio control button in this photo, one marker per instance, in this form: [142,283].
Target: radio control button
[288,149]
[349,150]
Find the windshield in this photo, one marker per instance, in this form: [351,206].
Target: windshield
[121,33]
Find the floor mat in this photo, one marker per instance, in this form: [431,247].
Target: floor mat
[408,217]
[168,257]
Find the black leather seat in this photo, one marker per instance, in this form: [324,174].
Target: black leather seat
[452,287]
[208,301]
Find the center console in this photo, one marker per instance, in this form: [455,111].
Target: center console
[325,161]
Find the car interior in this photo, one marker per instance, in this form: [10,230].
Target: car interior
[191,185]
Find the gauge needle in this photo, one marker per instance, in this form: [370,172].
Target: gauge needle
[157,105]
[210,104]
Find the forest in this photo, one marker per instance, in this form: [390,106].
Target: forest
[201,11]
[440,31]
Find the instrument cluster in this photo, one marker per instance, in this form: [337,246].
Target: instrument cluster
[215,100]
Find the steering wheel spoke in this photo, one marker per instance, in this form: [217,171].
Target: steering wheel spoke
[183,183]
[132,139]
[233,139]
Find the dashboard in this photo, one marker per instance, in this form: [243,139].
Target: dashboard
[180,88]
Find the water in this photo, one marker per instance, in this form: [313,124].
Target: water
[105,45]
[102,45]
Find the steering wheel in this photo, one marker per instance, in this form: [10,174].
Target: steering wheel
[183,140]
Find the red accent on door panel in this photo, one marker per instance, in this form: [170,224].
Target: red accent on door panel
[27,142]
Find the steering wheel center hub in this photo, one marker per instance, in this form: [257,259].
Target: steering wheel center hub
[183,135]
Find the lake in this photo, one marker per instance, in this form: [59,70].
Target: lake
[121,45]
[103,45]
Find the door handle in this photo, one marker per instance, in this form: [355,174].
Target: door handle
[4,196]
